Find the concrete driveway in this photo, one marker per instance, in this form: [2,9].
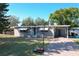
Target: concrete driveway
[62,47]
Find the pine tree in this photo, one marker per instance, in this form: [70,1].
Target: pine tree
[3,17]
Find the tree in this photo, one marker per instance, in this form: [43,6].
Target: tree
[65,16]
[3,17]
[28,22]
[14,21]
[40,21]
[77,21]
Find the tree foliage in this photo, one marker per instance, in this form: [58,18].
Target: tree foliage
[28,22]
[66,16]
[40,21]
[31,22]
[14,21]
[3,17]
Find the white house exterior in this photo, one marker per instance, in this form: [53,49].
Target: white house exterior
[39,31]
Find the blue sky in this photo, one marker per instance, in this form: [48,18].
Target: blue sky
[34,10]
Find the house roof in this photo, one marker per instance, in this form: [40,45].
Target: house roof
[22,28]
[60,26]
[42,26]
[43,29]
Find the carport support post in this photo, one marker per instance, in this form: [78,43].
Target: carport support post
[43,37]
[53,32]
[67,32]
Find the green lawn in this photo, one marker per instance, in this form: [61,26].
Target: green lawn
[20,47]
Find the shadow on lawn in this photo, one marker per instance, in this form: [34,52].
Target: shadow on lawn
[18,38]
[19,48]
[62,46]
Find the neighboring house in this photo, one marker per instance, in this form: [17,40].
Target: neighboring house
[9,31]
[41,31]
[74,30]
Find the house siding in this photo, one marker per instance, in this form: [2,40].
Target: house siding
[51,32]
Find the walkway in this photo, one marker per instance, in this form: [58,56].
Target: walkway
[62,47]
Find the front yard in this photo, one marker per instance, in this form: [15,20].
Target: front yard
[20,46]
[12,46]
[6,36]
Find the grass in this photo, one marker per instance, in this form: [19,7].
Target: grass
[20,47]
[6,36]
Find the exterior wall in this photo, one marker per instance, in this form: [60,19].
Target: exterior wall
[16,33]
[30,33]
[48,33]
[52,32]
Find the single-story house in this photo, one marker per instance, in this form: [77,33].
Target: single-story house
[41,31]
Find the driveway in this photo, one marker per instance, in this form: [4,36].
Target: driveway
[62,47]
